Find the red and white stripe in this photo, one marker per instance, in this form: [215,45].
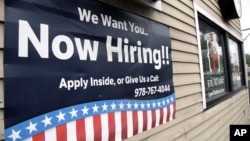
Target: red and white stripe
[108,127]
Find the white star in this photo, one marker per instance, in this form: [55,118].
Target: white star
[142,105]
[15,135]
[129,105]
[31,127]
[136,106]
[85,110]
[167,101]
[159,103]
[121,106]
[95,108]
[154,104]
[172,99]
[113,105]
[163,102]
[104,107]
[60,116]
[148,105]
[47,121]
[73,113]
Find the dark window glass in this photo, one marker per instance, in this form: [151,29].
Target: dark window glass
[213,61]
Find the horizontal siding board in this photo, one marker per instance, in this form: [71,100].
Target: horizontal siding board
[208,10]
[234,24]
[168,134]
[208,114]
[181,138]
[180,6]
[184,115]
[188,3]
[188,101]
[173,22]
[235,27]
[243,119]
[183,36]
[183,46]
[237,24]
[224,119]
[216,4]
[179,67]
[202,127]
[176,13]
[201,121]
[179,56]
[219,133]
[224,137]
[216,130]
[186,79]
[212,7]
[225,128]
[1,10]
[223,111]
[185,90]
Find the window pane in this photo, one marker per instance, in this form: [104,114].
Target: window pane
[235,64]
[212,59]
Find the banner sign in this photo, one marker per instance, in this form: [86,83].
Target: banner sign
[84,70]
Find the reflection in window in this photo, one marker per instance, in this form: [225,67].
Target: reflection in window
[235,64]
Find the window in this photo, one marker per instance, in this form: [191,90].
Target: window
[213,54]
[222,66]
[235,64]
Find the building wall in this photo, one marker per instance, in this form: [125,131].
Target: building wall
[192,122]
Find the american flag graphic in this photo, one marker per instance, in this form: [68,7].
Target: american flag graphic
[109,120]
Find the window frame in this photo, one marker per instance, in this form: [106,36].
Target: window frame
[200,14]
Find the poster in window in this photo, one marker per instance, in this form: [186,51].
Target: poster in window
[212,59]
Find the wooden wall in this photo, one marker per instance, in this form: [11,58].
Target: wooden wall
[192,121]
